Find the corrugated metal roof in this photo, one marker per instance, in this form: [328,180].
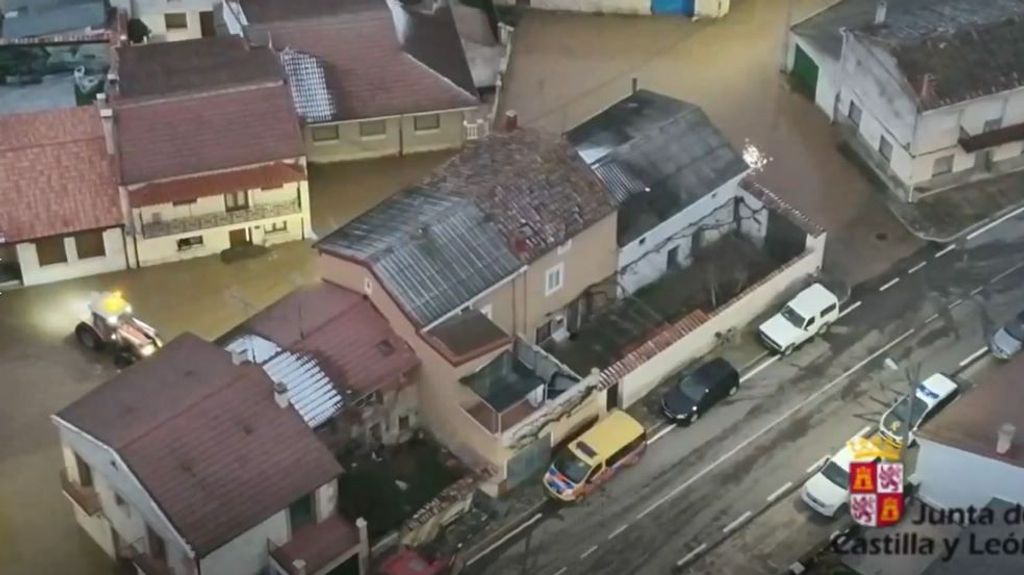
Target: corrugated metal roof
[433,252]
[310,390]
[313,101]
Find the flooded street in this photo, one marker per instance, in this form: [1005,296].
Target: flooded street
[567,67]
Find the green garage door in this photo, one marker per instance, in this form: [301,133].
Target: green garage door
[805,73]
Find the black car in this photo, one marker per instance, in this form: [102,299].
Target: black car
[695,392]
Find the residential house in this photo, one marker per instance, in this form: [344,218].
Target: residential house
[370,78]
[172,20]
[917,88]
[489,256]
[979,433]
[350,377]
[673,176]
[209,149]
[61,217]
[55,53]
[695,9]
[190,463]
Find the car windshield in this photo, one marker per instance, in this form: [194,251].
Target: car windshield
[572,467]
[1015,329]
[836,474]
[793,317]
[692,389]
[900,411]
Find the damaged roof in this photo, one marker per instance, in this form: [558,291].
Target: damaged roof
[501,203]
[969,48]
[195,429]
[656,155]
[378,58]
[56,173]
[189,66]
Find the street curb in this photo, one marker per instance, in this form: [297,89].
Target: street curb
[472,552]
[679,569]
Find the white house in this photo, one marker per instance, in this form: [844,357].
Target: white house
[916,87]
[171,20]
[695,9]
[210,156]
[978,437]
[188,463]
[60,216]
[672,174]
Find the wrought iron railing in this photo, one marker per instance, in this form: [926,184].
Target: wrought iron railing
[218,219]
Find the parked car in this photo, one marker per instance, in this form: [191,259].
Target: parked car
[929,397]
[693,393]
[828,490]
[1009,340]
[811,312]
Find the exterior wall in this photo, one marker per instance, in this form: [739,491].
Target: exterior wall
[326,500]
[33,274]
[520,306]
[400,137]
[645,259]
[163,249]
[151,12]
[827,89]
[598,6]
[710,8]
[736,314]
[131,519]
[940,470]
[248,553]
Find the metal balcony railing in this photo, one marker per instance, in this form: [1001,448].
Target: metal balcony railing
[218,219]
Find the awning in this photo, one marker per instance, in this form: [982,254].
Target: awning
[993,138]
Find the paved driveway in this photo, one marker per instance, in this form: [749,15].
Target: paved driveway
[567,67]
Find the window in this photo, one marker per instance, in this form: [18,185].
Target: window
[426,123]
[300,513]
[84,472]
[373,129]
[828,309]
[122,504]
[184,202]
[275,227]
[176,21]
[553,279]
[885,148]
[403,423]
[486,311]
[189,243]
[157,549]
[50,251]
[943,165]
[672,258]
[564,248]
[854,113]
[992,125]
[324,133]
[236,201]
[90,245]
[543,333]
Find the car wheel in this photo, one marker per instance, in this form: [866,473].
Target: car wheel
[824,328]
[87,336]
[733,390]
[787,351]
[695,417]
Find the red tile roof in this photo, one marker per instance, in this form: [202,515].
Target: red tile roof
[55,175]
[318,545]
[265,176]
[206,439]
[368,71]
[193,134]
[353,343]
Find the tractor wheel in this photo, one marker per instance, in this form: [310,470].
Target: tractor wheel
[88,337]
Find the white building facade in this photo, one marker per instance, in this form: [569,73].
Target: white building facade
[171,20]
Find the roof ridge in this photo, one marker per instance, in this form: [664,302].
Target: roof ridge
[4,149]
[142,101]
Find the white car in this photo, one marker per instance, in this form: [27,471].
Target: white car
[811,312]
[929,397]
[828,490]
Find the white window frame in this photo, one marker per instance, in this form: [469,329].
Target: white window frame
[379,136]
[176,28]
[935,166]
[333,138]
[557,271]
[420,130]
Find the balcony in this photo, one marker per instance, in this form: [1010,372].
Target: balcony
[315,547]
[218,219]
[85,498]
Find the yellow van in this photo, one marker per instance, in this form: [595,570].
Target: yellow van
[615,442]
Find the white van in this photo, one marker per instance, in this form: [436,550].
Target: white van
[811,312]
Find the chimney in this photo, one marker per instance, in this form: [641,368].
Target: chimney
[107,118]
[1004,440]
[300,567]
[281,394]
[880,9]
[511,120]
[635,85]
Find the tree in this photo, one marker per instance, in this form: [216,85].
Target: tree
[138,32]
